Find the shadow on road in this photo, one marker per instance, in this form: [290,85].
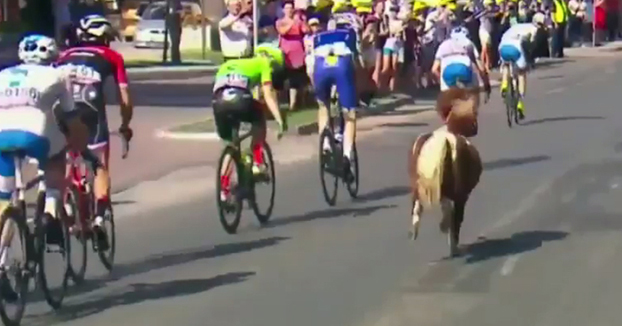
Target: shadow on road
[137,293]
[551,77]
[380,194]
[518,243]
[405,112]
[551,64]
[186,95]
[554,119]
[511,162]
[164,260]
[328,213]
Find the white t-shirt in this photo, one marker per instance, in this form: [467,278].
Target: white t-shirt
[237,40]
[28,95]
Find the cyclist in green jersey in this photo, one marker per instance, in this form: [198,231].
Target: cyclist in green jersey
[233,100]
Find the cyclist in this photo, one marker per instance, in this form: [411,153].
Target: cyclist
[456,60]
[89,65]
[334,66]
[29,93]
[515,48]
[233,101]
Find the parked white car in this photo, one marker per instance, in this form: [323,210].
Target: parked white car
[151,28]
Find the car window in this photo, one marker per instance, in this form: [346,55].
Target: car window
[154,12]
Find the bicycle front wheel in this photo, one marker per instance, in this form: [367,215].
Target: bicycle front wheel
[228,191]
[264,216]
[15,274]
[329,167]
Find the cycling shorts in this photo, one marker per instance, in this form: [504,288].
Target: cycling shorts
[511,51]
[97,123]
[341,74]
[457,72]
[231,106]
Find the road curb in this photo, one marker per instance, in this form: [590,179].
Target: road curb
[211,136]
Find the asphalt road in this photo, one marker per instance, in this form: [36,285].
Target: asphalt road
[541,241]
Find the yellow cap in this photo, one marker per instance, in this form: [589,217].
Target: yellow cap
[321,4]
[419,5]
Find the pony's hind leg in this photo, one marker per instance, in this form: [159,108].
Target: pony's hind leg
[447,209]
[416,214]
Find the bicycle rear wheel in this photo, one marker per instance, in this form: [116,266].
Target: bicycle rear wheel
[108,227]
[228,197]
[264,216]
[328,167]
[509,100]
[54,297]
[353,186]
[14,222]
[72,202]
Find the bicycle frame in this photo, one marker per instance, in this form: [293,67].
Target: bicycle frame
[80,178]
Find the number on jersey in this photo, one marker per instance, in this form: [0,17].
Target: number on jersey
[82,73]
[231,80]
[19,97]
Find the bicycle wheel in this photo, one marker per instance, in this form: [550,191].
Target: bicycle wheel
[11,310]
[72,201]
[264,216]
[353,186]
[509,107]
[229,200]
[328,167]
[55,297]
[515,102]
[106,256]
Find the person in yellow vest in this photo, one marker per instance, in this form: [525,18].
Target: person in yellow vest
[559,16]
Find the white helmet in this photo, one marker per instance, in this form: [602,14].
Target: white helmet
[95,28]
[459,32]
[38,49]
[538,19]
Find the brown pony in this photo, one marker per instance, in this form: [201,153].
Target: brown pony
[444,166]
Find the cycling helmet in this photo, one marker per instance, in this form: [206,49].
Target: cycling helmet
[273,53]
[38,49]
[538,19]
[459,32]
[95,29]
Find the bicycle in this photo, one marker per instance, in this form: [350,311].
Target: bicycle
[32,235]
[511,95]
[332,161]
[80,206]
[244,189]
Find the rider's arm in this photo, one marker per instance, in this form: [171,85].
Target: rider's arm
[227,21]
[436,68]
[120,76]
[269,94]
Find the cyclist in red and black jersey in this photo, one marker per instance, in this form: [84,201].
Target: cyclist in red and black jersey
[89,64]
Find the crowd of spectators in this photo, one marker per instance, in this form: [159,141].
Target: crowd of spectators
[399,38]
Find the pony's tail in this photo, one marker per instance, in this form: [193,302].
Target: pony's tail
[429,186]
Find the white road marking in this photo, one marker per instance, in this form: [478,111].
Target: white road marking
[509,264]
[556,90]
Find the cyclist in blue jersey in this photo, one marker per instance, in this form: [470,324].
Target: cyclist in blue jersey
[335,53]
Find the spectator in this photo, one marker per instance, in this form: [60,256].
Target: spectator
[600,20]
[577,20]
[486,32]
[292,28]
[267,23]
[236,32]
[381,25]
[612,19]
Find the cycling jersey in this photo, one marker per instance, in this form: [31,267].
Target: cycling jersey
[334,65]
[520,32]
[28,96]
[244,73]
[88,68]
[457,56]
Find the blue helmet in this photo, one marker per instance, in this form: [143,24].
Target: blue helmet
[38,49]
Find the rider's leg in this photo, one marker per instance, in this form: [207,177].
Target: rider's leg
[348,101]
[7,186]
[322,83]
[258,134]
[101,182]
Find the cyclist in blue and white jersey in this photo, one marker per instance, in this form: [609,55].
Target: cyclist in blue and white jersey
[457,62]
[334,65]
[515,48]
[29,93]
